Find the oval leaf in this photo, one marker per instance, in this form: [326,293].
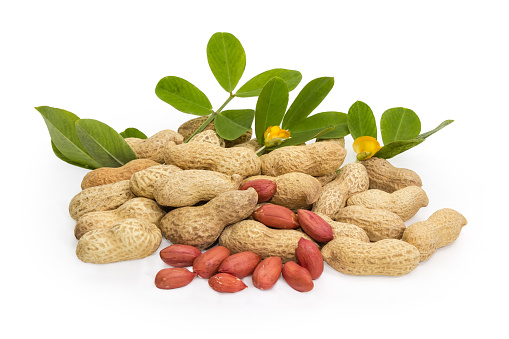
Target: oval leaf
[132,132]
[318,122]
[232,124]
[183,96]
[396,147]
[399,124]
[308,99]
[254,86]
[361,120]
[270,107]
[61,128]
[63,158]
[433,131]
[227,59]
[103,143]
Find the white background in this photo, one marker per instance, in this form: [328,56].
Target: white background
[102,60]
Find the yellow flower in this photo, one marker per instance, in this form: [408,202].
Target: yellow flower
[365,147]
[274,136]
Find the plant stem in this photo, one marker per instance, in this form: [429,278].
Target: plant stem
[260,150]
[211,117]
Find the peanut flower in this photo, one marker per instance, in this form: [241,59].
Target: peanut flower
[365,147]
[274,136]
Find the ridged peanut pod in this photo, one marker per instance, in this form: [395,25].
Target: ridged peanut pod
[190,126]
[205,156]
[209,136]
[252,144]
[139,208]
[200,226]
[441,229]
[341,229]
[378,224]
[295,190]
[109,175]
[319,158]
[100,198]
[128,240]
[385,177]
[142,182]
[405,202]
[251,235]
[153,148]
[385,257]
[351,179]
[187,188]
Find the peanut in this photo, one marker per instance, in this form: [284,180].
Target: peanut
[170,278]
[100,198]
[315,226]
[154,147]
[207,263]
[341,229]
[378,224]
[309,256]
[297,277]
[251,235]
[385,177]
[276,216]
[200,226]
[205,156]
[127,240]
[209,136]
[404,202]
[264,187]
[187,188]
[142,182]
[240,264]
[109,175]
[226,283]
[319,158]
[267,273]
[139,208]
[441,229]
[179,255]
[189,127]
[385,257]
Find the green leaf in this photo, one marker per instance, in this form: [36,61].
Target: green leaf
[227,59]
[183,96]
[132,132]
[399,124]
[61,128]
[433,131]
[103,143]
[254,86]
[271,106]
[302,137]
[62,157]
[361,120]
[307,100]
[232,124]
[318,122]
[396,147]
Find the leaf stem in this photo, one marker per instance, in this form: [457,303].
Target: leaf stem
[211,117]
[260,150]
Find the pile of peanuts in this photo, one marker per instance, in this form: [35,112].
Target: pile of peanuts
[285,212]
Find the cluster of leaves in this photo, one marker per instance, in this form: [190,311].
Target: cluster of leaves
[227,61]
[87,143]
[400,128]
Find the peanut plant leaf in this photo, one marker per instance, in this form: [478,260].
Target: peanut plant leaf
[231,124]
[320,121]
[63,158]
[183,96]
[254,86]
[271,106]
[132,132]
[103,143]
[63,134]
[302,137]
[396,147]
[307,100]
[399,124]
[433,131]
[227,59]
[361,120]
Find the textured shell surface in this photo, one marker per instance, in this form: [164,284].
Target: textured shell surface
[200,226]
[127,240]
[205,156]
[209,136]
[251,235]
[154,147]
[385,257]
[190,126]
[138,208]
[384,176]
[404,202]
[187,188]
[342,229]
[109,175]
[316,159]
[100,198]
[142,182]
